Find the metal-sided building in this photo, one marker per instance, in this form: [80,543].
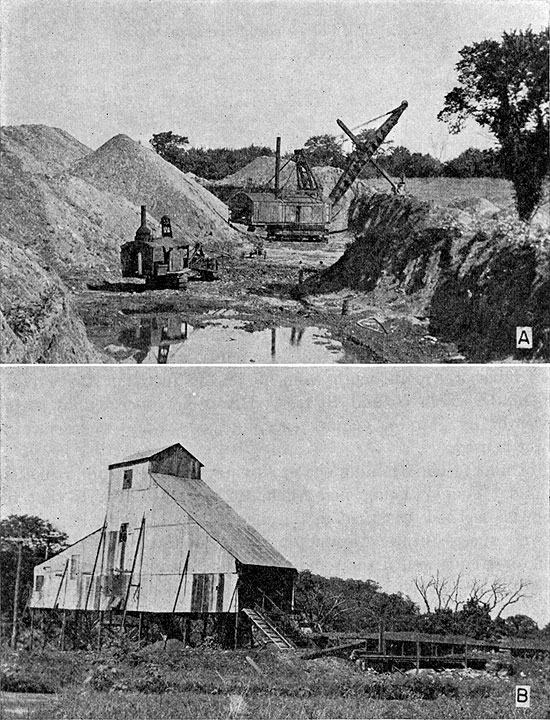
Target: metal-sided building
[169,544]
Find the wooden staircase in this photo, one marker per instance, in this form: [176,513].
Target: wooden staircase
[268,630]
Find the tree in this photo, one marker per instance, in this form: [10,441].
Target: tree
[323,150]
[474,163]
[520,626]
[503,86]
[400,161]
[208,163]
[338,605]
[476,609]
[39,540]
[169,146]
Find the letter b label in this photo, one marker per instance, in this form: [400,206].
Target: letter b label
[523,696]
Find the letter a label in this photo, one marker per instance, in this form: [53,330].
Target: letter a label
[524,338]
[523,696]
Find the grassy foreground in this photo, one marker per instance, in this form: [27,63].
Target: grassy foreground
[212,683]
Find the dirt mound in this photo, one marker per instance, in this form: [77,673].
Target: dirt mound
[260,172]
[123,167]
[74,228]
[475,278]
[42,149]
[37,321]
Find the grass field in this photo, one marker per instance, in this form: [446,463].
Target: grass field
[445,191]
[206,683]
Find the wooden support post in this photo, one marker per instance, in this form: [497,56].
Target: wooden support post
[101,539]
[417,656]
[15,620]
[235,640]
[180,583]
[140,623]
[99,630]
[32,628]
[58,593]
[128,588]
[466,655]
[186,630]
[63,626]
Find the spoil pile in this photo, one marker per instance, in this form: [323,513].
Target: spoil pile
[73,228]
[475,277]
[42,149]
[124,167]
[260,172]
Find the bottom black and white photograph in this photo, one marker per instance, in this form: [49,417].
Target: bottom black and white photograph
[306,542]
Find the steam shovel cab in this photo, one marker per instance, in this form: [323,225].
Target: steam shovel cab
[294,218]
[161,262]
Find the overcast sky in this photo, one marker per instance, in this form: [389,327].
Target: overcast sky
[372,472]
[231,73]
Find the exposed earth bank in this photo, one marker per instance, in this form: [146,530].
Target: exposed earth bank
[472,271]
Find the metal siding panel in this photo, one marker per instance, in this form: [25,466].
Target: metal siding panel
[73,592]
[221,522]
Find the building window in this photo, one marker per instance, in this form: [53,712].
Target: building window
[123,533]
[122,537]
[39,582]
[73,571]
[127,480]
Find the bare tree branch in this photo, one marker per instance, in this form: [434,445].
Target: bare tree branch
[423,588]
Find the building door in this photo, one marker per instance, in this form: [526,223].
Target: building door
[202,593]
[219,600]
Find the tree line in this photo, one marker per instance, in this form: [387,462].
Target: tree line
[502,86]
[449,607]
[326,151]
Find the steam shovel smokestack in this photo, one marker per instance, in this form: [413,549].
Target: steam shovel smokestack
[277,166]
[143,233]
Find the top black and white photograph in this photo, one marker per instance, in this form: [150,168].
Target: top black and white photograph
[308,182]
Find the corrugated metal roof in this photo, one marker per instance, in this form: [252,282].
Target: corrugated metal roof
[147,455]
[220,521]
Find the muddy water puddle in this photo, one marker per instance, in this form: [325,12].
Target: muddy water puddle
[161,339]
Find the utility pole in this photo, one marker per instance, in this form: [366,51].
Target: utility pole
[16,593]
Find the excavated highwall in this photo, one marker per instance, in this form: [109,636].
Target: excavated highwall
[38,323]
[475,278]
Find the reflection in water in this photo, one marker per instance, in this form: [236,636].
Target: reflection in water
[169,338]
[157,331]
[296,335]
